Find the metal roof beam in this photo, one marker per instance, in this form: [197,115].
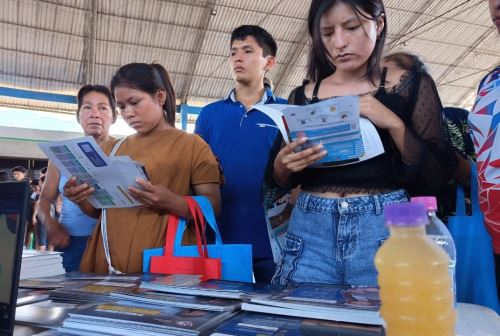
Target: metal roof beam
[412,19]
[100,64]
[462,56]
[193,62]
[89,43]
[199,4]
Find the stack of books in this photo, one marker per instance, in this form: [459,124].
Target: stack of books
[97,288]
[37,264]
[249,323]
[327,302]
[47,314]
[144,296]
[28,296]
[214,288]
[125,318]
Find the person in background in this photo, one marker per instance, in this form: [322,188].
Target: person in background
[69,233]
[241,138]
[177,164]
[41,232]
[35,195]
[30,237]
[18,173]
[337,224]
[483,124]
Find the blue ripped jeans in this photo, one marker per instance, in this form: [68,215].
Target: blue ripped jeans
[334,240]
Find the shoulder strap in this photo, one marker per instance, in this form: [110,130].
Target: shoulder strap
[382,78]
[116,146]
[314,98]
[104,230]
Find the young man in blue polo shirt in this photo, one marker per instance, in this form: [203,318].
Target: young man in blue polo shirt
[241,138]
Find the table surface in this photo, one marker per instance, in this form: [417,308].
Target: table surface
[472,320]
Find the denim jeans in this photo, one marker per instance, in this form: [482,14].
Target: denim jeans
[334,240]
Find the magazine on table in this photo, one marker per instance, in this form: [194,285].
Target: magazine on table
[335,123]
[109,176]
[216,288]
[100,288]
[47,314]
[28,296]
[331,302]
[73,278]
[131,319]
[257,324]
[144,296]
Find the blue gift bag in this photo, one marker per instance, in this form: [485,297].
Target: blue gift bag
[236,258]
[475,270]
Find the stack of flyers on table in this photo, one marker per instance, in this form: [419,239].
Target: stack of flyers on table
[73,278]
[144,296]
[109,176]
[125,318]
[27,296]
[335,123]
[96,291]
[36,264]
[215,288]
[256,324]
[83,289]
[352,304]
[47,314]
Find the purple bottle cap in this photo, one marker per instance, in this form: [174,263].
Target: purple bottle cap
[429,202]
[405,214]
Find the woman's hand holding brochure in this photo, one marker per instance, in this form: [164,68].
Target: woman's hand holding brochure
[290,161]
[333,124]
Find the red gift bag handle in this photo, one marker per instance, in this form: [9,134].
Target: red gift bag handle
[199,223]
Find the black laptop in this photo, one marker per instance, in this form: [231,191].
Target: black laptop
[13,210]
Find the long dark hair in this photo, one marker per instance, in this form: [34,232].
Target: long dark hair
[148,78]
[320,65]
[86,89]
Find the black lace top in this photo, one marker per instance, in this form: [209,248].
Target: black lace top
[426,162]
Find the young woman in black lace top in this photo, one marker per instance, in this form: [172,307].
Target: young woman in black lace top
[337,224]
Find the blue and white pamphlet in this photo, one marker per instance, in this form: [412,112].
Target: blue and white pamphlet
[110,176]
[335,123]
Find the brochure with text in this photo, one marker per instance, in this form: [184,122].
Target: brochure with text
[335,123]
[109,176]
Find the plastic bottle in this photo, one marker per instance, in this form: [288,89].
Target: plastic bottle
[413,277]
[440,234]
[31,243]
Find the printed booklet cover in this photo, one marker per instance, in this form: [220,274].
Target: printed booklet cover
[256,324]
[331,302]
[335,123]
[125,318]
[175,300]
[218,289]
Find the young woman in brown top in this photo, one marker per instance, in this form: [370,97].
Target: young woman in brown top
[177,164]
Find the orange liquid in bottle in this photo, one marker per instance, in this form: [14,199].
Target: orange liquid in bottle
[415,285]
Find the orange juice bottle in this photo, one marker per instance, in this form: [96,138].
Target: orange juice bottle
[415,285]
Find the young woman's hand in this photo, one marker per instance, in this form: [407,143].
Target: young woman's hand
[288,161]
[153,196]
[381,116]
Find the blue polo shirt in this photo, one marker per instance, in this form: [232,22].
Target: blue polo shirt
[241,140]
